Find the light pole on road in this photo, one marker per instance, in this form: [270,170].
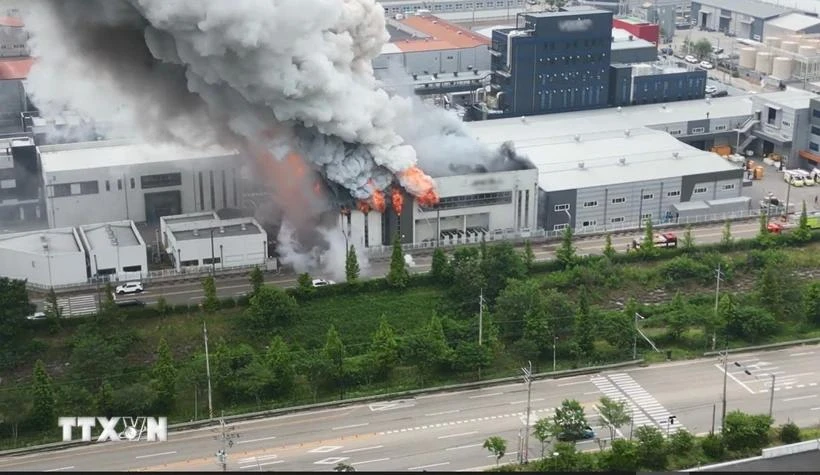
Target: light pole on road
[771,392]
[528,379]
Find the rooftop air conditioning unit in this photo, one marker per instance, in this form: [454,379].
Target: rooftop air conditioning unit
[622,160]
[577,138]
[675,155]
[222,230]
[581,165]
[244,227]
[196,232]
[627,132]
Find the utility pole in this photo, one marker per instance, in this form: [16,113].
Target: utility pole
[635,339]
[718,277]
[725,377]
[528,379]
[554,351]
[213,256]
[480,323]
[771,390]
[208,372]
[225,434]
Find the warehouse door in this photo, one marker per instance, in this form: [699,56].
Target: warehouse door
[163,203]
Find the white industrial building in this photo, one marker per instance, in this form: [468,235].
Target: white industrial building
[46,258]
[115,250]
[95,182]
[203,240]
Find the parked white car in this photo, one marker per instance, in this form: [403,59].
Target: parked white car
[37,316]
[690,59]
[706,65]
[710,89]
[129,288]
[322,282]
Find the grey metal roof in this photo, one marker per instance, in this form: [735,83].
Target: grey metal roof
[794,22]
[57,241]
[746,7]
[110,235]
[249,228]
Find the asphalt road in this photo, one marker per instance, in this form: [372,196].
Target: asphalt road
[191,292]
[445,431]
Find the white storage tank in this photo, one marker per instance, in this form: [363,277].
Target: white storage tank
[773,41]
[747,58]
[790,46]
[807,51]
[782,67]
[812,42]
[763,63]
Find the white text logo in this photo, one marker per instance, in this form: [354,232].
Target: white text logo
[149,429]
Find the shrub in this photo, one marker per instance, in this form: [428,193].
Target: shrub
[683,268]
[712,446]
[228,302]
[789,433]
[682,443]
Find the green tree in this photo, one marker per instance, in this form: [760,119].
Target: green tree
[682,443]
[789,433]
[43,400]
[271,308]
[584,334]
[688,241]
[305,283]
[648,243]
[164,375]
[104,400]
[678,318]
[567,458]
[518,300]
[352,265]
[14,306]
[811,304]
[384,348]
[771,288]
[803,231]
[609,251]
[497,446]
[502,263]
[565,254]
[570,418]
[726,236]
[280,362]
[343,467]
[746,432]
[702,48]
[211,302]
[398,276]
[15,407]
[528,257]
[440,267]
[544,431]
[652,450]
[622,457]
[53,311]
[467,282]
[469,356]
[257,280]
[109,308]
[162,306]
[427,349]
[614,414]
[334,354]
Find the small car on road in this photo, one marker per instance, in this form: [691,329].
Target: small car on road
[322,282]
[129,288]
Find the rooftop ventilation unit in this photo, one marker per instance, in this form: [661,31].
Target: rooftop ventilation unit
[581,165]
[195,232]
[627,133]
[523,119]
[222,230]
[675,155]
[622,160]
[663,106]
[577,138]
[243,226]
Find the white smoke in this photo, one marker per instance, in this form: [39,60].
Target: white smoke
[327,263]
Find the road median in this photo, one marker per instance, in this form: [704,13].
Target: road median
[337,404]
[771,346]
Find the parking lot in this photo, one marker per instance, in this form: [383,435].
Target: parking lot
[773,183]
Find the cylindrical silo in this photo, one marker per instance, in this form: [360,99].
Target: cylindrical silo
[792,46]
[808,51]
[782,67]
[773,41]
[747,58]
[763,62]
[813,42]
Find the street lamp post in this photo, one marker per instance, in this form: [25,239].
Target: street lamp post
[213,255]
[771,390]
[527,372]
[718,278]
[554,350]
[208,372]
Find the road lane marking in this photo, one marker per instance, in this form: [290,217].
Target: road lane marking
[325,448]
[464,447]
[573,384]
[442,413]
[155,455]
[800,398]
[331,460]
[259,465]
[362,449]
[429,466]
[261,458]
[351,426]
[449,436]
[728,373]
[485,395]
[370,461]
[805,353]
[248,441]
[523,401]
[58,469]
[815,409]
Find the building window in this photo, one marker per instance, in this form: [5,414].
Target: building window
[161,181]
[81,188]
[119,184]
[815,130]
[89,187]
[646,216]
[619,219]
[720,127]
[700,189]
[786,123]
[213,193]
[63,189]
[201,193]
[136,268]
[728,186]
[674,132]
[224,190]
[592,222]
[466,201]
[560,227]
[207,261]
[133,184]
[814,147]
[698,130]
[107,185]
[619,200]
[673,193]
[590,204]
[563,207]
[815,113]
[649,196]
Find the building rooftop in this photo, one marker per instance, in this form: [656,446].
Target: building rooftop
[220,228]
[794,21]
[88,155]
[110,235]
[631,20]
[190,218]
[430,33]
[15,68]
[568,13]
[11,21]
[747,7]
[792,98]
[43,242]
[808,6]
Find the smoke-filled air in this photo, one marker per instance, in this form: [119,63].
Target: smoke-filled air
[288,81]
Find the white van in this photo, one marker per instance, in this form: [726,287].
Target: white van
[793,177]
[808,179]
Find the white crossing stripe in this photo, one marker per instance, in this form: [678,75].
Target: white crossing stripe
[76,305]
[646,401]
[613,393]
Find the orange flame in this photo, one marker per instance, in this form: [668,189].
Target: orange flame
[317,188]
[419,185]
[363,206]
[397,199]
[376,198]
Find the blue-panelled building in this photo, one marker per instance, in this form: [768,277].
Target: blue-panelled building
[558,62]
[562,61]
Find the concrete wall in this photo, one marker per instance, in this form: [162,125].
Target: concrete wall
[657,88]
[117,257]
[442,61]
[54,268]
[244,250]
[625,204]
[13,42]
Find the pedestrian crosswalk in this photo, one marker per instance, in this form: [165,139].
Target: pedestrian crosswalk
[77,305]
[647,402]
[610,391]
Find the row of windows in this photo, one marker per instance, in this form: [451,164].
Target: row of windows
[815,113]
[618,219]
[93,187]
[589,59]
[74,189]
[646,196]
[587,43]
[466,201]
[460,6]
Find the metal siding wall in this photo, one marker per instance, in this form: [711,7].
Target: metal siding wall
[757,30]
[666,87]
[695,124]
[689,182]
[523,73]
[559,217]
